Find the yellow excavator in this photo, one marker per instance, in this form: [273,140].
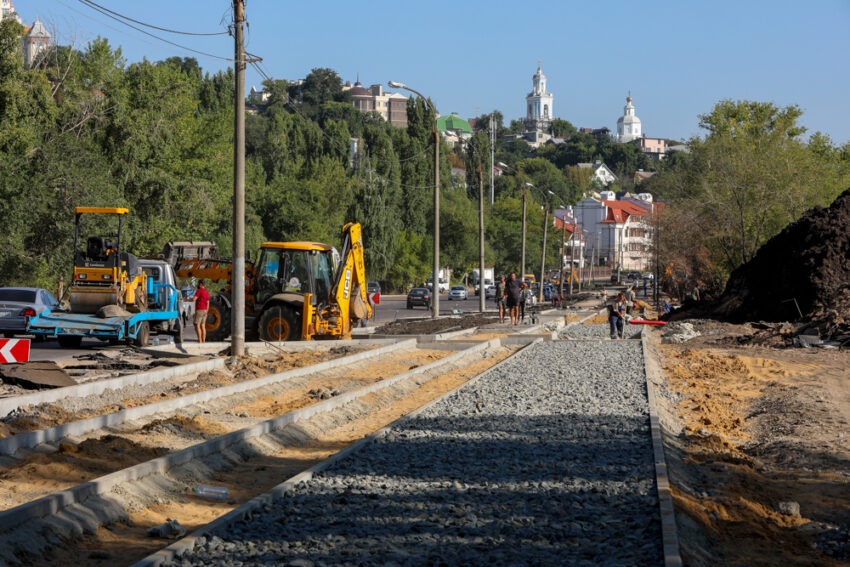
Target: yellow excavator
[294,291]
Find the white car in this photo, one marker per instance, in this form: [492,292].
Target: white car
[457,292]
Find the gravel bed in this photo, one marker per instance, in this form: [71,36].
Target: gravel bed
[578,331]
[545,460]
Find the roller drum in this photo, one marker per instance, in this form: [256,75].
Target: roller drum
[91,301]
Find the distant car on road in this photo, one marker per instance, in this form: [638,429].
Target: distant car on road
[419,296]
[373,287]
[490,291]
[442,285]
[19,304]
[457,292]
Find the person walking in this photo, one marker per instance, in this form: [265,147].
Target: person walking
[524,300]
[500,298]
[630,299]
[512,293]
[202,305]
[617,316]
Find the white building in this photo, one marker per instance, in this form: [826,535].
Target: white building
[7,10]
[602,175]
[539,104]
[628,125]
[617,232]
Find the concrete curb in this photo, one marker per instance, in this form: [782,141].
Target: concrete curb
[53,504]
[9,405]
[669,531]
[9,445]
[173,551]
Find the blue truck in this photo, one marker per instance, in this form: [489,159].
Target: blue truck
[113,296]
[113,324]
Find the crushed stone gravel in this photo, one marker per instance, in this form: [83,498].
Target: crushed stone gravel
[546,459]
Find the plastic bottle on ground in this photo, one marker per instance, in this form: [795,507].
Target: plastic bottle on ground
[214,492]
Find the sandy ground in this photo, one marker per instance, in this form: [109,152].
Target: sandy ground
[758,434]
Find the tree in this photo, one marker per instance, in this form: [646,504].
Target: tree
[562,128]
[746,180]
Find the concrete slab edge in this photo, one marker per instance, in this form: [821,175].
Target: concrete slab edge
[669,531]
[243,512]
[53,503]
[9,445]
[8,405]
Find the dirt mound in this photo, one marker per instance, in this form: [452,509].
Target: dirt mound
[802,274]
[434,326]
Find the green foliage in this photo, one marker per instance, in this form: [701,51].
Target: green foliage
[86,128]
[741,184]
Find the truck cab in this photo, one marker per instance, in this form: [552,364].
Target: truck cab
[162,295]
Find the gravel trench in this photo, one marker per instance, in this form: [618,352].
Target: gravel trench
[545,460]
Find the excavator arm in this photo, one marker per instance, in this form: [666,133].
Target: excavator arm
[349,290]
[349,302]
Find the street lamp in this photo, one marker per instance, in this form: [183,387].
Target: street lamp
[435,277]
[543,255]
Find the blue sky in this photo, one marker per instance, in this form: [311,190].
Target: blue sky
[678,58]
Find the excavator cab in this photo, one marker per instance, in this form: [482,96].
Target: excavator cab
[103,273]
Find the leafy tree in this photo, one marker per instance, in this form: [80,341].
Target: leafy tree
[562,128]
[747,179]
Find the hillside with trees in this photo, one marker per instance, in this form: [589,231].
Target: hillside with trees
[86,127]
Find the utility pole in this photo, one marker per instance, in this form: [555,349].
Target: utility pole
[492,161]
[572,259]
[563,255]
[543,256]
[481,292]
[522,261]
[237,337]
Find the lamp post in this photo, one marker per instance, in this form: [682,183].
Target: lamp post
[564,254]
[435,277]
[543,254]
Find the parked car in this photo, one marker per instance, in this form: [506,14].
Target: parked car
[373,287]
[457,292]
[490,291]
[19,304]
[419,296]
[649,276]
[633,277]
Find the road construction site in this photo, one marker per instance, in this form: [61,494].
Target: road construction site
[431,459]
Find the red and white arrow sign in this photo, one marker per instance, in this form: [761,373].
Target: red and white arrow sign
[14,350]
[375,298]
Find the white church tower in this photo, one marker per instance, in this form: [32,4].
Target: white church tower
[7,10]
[539,104]
[628,125]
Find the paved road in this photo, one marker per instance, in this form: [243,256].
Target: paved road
[394,307]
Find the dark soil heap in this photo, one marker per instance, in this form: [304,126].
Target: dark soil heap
[802,274]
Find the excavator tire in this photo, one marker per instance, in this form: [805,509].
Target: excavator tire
[279,323]
[218,320]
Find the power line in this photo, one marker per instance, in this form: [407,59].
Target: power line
[103,9]
[108,14]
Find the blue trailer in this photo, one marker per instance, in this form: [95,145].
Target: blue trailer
[162,314]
